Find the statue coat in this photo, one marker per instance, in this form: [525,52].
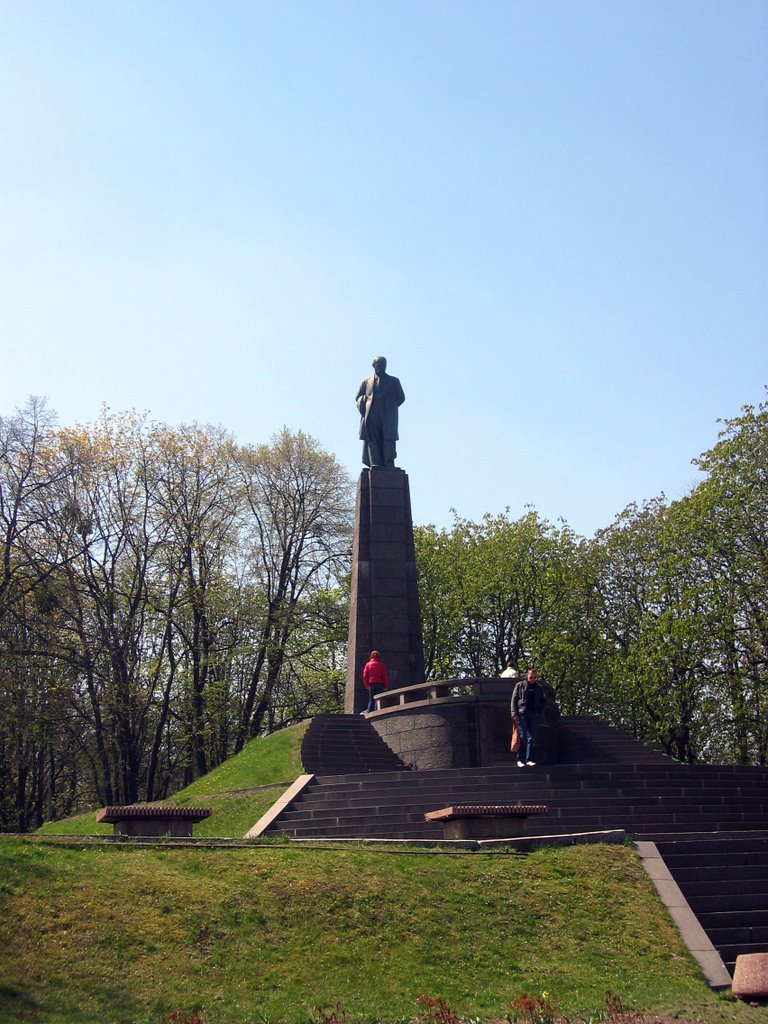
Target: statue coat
[379,404]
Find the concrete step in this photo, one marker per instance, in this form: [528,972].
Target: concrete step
[715,919]
[725,880]
[551,823]
[364,795]
[583,738]
[721,903]
[725,885]
[581,776]
[367,832]
[363,817]
[712,865]
[675,810]
[691,874]
[575,800]
[726,844]
[738,935]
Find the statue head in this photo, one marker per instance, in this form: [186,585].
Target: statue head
[380,365]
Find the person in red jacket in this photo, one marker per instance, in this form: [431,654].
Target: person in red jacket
[375,679]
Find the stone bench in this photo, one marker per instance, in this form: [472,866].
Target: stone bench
[145,820]
[750,976]
[485,821]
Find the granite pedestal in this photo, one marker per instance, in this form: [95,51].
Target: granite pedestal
[384,602]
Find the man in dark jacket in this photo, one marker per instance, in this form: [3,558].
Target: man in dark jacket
[528,702]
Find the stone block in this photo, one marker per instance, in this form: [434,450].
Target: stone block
[503,821]
[387,569]
[750,976]
[386,479]
[429,739]
[390,620]
[387,552]
[387,498]
[391,641]
[389,517]
[362,539]
[363,605]
[392,587]
[153,820]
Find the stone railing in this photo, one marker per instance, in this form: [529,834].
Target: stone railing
[457,723]
[478,688]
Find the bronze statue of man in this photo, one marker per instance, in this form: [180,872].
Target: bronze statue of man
[377,400]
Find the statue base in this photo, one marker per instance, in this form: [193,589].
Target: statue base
[384,610]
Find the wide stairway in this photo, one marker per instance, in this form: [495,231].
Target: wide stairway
[708,821]
[606,780]
[648,801]
[724,878]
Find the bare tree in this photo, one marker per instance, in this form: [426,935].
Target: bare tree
[300,504]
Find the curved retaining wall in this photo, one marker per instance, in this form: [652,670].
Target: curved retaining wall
[467,730]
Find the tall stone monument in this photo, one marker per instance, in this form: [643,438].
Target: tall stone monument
[384,607]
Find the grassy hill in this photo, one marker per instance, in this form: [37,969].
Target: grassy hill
[141,934]
[270,933]
[239,791]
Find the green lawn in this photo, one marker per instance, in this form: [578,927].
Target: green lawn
[136,934]
[239,791]
[271,933]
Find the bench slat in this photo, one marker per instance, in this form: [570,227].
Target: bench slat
[114,814]
[485,811]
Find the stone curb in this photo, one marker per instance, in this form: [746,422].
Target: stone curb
[691,932]
[521,844]
[278,806]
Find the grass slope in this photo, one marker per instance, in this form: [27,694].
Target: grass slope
[144,934]
[136,934]
[239,791]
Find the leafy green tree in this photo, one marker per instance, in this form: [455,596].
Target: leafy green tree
[440,611]
[31,709]
[111,631]
[656,617]
[732,508]
[502,590]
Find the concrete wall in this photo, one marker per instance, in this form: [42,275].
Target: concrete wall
[459,732]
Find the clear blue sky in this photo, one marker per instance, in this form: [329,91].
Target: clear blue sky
[551,217]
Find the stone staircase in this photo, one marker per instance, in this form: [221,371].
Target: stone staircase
[709,822]
[584,739]
[649,801]
[346,745]
[724,878]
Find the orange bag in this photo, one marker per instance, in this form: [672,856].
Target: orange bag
[515,744]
